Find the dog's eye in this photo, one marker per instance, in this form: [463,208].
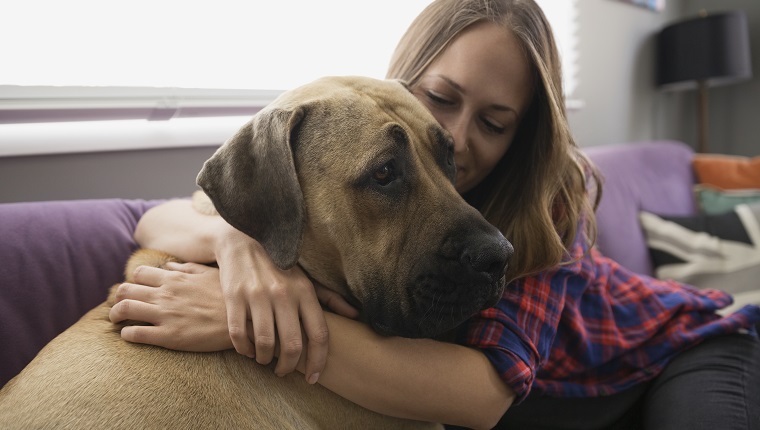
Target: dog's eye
[386,174]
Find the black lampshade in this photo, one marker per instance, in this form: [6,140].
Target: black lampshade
[713,48]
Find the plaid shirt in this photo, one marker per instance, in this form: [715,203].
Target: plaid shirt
[593,328]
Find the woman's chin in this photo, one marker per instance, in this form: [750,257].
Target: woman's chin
[462,185]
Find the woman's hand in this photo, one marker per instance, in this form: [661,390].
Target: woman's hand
[277,302]
[184,305]
[189,310]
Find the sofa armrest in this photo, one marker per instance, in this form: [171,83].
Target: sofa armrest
[653,176]
[58,261]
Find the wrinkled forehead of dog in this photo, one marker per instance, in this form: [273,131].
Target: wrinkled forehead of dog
[389,95]
[365,105]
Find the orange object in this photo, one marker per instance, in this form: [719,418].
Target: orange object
[728,172]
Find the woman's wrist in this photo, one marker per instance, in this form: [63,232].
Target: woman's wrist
[226,239]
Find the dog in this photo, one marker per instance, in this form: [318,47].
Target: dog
[352,179]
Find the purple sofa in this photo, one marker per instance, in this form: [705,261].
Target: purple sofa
[58,259]
[655,177]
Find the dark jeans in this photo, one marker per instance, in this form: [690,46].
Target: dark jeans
[715,386]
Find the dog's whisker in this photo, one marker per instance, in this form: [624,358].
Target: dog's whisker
[429,311]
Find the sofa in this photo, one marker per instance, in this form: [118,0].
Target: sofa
[59,258]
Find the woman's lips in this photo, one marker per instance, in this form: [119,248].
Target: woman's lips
[460,176]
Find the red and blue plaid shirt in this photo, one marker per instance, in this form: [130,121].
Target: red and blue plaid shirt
[592,327]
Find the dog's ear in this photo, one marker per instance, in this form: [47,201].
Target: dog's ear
[252,181]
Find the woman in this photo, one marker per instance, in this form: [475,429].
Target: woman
[575,342]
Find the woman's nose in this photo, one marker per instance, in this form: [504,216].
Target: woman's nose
[459,132]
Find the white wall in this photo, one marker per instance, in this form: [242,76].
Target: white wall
[616,58]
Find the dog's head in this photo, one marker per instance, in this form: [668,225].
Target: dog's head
[353,178]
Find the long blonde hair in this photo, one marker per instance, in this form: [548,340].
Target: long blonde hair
[537,193]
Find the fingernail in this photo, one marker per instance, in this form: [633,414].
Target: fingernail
[313,378]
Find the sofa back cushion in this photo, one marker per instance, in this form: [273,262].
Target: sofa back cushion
[58,261]
[655,177]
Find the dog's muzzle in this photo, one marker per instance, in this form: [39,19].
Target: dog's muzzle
[465,277]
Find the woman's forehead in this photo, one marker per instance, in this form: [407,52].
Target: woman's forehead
[487,60]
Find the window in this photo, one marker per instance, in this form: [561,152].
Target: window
[563,16]
[161,59]
[80,60]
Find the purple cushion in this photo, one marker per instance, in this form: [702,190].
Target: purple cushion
[655,177]
[58,260]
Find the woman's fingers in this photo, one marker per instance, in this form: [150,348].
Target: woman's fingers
[263,330]
[335,302]
[289,333]
[150,276]
[129,291]
[193,268]
[134,310]
[147,334]
[315,326]
[156,276]
[237,324]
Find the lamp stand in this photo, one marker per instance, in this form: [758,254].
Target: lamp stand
[702,88]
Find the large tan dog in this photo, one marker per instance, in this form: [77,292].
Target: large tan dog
[352,179]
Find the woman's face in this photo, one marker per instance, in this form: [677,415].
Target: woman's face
[478,88]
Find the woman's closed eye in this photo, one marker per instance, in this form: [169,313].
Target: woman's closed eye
[438,99]
[493,127]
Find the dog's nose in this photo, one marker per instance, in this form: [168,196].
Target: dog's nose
[488,257]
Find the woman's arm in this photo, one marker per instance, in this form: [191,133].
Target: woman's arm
[419,379]
[178,229]
[278,302]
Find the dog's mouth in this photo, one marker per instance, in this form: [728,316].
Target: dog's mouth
[439,291]
[433,307]
[448,289]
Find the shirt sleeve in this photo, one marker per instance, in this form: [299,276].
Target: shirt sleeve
[517,334]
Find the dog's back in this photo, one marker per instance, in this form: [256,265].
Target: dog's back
[88,378]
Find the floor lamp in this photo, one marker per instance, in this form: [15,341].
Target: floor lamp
[709,50]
